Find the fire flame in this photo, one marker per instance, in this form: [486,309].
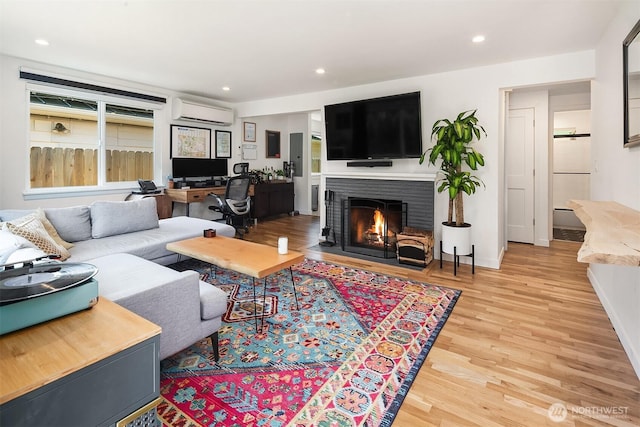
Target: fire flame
[378,224]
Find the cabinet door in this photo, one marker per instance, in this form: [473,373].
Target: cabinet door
[282,199]
[260,208]
[288,198]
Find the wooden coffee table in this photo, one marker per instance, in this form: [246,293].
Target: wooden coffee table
[253,259]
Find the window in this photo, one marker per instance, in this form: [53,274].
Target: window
[66,134]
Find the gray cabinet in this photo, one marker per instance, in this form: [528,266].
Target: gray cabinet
[99,395]
[95,367]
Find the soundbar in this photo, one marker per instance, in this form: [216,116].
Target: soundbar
[370,163]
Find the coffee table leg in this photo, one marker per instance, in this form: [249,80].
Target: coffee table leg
[255,305]
[293,283]
[255,309]
[264,305]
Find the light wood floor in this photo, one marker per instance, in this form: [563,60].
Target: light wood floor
[520,339]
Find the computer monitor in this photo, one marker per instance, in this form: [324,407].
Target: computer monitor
[199,168]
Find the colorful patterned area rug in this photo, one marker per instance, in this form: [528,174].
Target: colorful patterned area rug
[347,357]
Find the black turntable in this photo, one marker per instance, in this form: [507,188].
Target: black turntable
[32,293]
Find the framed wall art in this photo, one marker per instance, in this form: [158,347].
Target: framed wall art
[223,144]
[249,132]
[187,141]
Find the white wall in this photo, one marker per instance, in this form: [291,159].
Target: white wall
[445,95]
[615,176]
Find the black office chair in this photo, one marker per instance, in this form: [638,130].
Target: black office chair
[241,168]
[236,205]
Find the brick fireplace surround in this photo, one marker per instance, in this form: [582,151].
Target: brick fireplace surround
[419,196]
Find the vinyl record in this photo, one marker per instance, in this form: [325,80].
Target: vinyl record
[18,284]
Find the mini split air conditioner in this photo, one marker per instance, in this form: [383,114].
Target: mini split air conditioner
[195,112]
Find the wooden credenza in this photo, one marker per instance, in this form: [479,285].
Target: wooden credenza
[272,199]
[91,368]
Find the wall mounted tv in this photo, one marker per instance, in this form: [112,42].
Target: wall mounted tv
[199,168]
[379,128]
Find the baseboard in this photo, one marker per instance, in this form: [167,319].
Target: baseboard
[632,353]
[545,243]
[480,261]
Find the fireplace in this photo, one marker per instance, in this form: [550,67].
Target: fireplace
[369,226]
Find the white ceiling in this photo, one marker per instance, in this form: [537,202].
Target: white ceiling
[270,48]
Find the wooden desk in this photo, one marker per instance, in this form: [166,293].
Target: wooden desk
[195,195]
[54,371]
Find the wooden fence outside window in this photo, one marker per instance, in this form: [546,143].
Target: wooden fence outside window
[67,167]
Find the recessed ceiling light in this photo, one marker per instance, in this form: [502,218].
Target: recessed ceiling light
[320,71]
[478,39]
[42,42]
[226,88]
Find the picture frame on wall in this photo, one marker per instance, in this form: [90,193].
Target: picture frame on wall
[272,137]
[223,144]
[190,142]
[249,132]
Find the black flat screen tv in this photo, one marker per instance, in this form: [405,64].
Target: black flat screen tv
[199,168]
[378,128]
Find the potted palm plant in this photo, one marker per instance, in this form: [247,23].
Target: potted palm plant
[453,150]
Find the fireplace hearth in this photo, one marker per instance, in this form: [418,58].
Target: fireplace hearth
[369,226]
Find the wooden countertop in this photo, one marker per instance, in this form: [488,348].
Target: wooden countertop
[613,232]
[183,194]
[43,353]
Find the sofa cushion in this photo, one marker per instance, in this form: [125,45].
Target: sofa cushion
[149,244]
[73,224]
[51,229]
[11,214]
[109,218]
[123,275]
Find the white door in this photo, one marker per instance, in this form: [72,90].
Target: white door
[520,174]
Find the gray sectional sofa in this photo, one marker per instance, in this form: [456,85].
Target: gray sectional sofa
[127,243]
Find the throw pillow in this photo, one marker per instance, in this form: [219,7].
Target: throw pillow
[10,243]
[24,255]
[51,230]
[110,218]
[32,229]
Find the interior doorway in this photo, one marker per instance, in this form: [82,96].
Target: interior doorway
[538,209]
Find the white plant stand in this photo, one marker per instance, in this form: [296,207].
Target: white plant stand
[457,239]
